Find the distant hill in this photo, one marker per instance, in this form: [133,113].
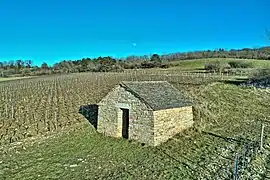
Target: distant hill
[106,64]
[246,53]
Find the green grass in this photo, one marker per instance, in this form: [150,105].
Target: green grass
[81,153]
[200,63]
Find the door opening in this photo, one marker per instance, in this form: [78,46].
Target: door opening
[125,123]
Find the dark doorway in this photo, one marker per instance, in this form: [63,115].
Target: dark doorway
[125,123]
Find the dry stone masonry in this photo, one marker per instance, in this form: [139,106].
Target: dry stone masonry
[149,112]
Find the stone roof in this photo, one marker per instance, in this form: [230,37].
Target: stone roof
[156,94]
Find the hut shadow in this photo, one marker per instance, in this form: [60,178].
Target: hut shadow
[230,139]
[90,112]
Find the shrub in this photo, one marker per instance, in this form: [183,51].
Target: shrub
[260,79]
[261,73]
[107,68]
[147,64]
[164,66]
[240,64]
[26,72]
[128,65]
[216,66]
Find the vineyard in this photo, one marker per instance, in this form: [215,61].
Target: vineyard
[40,105]
[227,121]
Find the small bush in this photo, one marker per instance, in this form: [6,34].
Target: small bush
[240,64]
[164,66]
[260,79]
[216,66]
[129,65]
[26,72]
[108,68]
[261,73]
[147,65]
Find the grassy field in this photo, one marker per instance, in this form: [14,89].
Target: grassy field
[51,140]
[200,63]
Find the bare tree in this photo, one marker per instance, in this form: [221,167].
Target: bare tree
[28,63]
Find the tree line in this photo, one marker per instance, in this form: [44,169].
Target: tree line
[106,64]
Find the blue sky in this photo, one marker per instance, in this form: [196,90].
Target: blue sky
[54,30]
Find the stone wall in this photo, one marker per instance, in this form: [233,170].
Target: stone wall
[169,122]
[141,118]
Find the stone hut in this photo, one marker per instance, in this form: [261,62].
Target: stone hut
[150,112]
